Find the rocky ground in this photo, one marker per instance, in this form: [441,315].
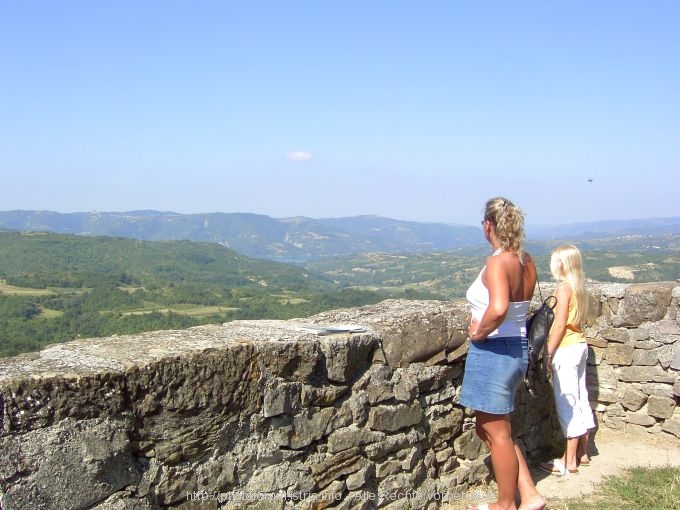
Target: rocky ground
[613,452]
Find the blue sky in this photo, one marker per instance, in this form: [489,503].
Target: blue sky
[411,110]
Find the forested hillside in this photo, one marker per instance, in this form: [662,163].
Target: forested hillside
[55,288]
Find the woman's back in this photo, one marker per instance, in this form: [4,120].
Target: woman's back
[521,277]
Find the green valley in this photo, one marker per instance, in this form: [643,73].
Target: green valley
[57,287]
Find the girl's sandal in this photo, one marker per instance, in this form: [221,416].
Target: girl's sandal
[556,467]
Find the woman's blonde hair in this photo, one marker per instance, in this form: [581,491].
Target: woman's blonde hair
[508,222]
[566,265]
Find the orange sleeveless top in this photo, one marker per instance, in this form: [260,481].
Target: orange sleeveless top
[573,334]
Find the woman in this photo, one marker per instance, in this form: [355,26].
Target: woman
[498,358]
[567,353]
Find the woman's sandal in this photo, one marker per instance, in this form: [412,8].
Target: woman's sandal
[555,467]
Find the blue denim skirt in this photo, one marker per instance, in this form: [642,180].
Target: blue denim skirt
[494,369]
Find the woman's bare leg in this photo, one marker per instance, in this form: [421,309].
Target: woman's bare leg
[494,430]
[530,498]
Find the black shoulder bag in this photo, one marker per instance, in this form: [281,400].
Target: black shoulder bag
[538,328]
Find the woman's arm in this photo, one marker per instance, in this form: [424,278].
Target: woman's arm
[499,299]
[559,325]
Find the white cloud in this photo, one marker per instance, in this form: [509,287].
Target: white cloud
[299,156]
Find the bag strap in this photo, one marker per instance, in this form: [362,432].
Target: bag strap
[540,294]
[552,299]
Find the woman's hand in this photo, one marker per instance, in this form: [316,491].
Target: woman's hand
[474,326]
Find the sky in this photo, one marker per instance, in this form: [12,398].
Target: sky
[410,110]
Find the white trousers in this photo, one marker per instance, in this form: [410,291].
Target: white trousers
[569,386]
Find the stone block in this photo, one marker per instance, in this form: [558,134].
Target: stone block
[379,391]
[673,360]
[410,330]
[434,377]
[306,428]
[479,471]
[392,418]
[645,374]
[333,494]
[360,478]
[637,430]
[446,394]
[616,335]
[645,358]
[633,399]
[125,500]
[91,458]
[282,398]
[411,459]
[672,427]
[615,423]
[406,387]
[595,355]
[352,437]
[393,443]
[640,334]
[594,305]
[347,357]
[603,376]
[643,302]
[444,428]
[443,455]
[43,399]
[280,477]
[618,354]
[658,389]
[387,468]
[616,411]
[393,491]
[642,419]
[295,360]
[666,354]
[596,340]
[469,446]
[324,396]
[660,407]
[604,395]
[646,345]
[665,331]
[340,464]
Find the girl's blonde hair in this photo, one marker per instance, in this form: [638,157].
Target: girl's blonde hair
[508,221]
[566,265]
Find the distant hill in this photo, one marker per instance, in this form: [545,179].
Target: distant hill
[302,239]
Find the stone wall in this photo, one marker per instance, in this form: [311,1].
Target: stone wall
[634,338]
[348,409]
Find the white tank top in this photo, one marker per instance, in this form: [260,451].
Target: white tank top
[514,323]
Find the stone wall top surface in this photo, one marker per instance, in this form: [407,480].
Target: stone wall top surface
[120,353]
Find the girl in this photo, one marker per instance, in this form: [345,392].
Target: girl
[567,353]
